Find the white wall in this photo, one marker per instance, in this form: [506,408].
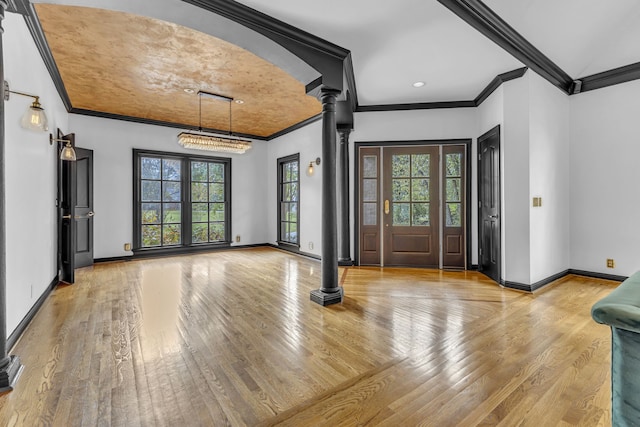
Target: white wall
[605,148]
[515,161]
[308,143]
[113,141]
[31,216]
[549,165]
[449,123]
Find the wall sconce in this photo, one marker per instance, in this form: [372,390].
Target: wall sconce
[310,168]
[68,153]
[34,118]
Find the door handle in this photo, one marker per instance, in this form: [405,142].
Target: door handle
[66,216]
[386,207]
[493,216]
[89,215]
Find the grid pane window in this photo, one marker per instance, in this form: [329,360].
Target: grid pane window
[181,200]
[161,205]
[410,181]
[453,190]
[289,199]
[208,202]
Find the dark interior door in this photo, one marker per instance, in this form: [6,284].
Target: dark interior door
[411,206]
[75,211]
[489,204]
[84,207]
[66,214]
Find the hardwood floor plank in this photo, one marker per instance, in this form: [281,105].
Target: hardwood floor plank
[231,339]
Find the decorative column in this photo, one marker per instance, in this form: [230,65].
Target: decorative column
[330,292]
[344,252]
[10,367]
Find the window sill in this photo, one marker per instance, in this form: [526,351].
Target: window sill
[179,250]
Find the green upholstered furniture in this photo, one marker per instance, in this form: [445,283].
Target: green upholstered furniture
[621,310]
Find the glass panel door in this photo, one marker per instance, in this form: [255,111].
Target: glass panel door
[410,215]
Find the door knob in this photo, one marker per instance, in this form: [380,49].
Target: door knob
[90,214]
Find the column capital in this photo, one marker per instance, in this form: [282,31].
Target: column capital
[328,97]
[3,6]
[344,135]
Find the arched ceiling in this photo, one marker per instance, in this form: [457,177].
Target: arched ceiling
[127,65]
[134,57]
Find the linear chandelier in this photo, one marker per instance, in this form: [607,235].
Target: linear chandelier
[203,141]
[213,143]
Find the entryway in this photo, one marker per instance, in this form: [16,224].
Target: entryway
[412,205]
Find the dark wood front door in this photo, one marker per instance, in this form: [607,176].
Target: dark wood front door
[411,206]
[489,244]
[75,211]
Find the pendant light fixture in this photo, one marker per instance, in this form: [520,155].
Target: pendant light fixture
[203,141]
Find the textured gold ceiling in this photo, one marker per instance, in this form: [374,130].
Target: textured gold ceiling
[119,63]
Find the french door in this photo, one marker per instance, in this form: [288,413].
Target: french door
[412,206]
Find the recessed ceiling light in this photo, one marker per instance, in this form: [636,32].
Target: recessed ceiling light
[189,90]
[418,84]
[239,101]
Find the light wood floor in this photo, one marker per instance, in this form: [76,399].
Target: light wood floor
[231,338]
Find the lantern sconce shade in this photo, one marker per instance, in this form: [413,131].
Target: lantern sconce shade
[34,118]
[67,153]
[310,169]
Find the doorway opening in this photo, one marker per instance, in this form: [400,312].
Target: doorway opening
[412,204]
[489,193]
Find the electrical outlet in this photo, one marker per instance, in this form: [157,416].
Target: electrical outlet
[611,263]
[238,238]
[311,245]
[127,247]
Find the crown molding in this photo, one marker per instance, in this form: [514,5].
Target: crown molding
[611,77]
[182,126]
[350,76]
[415,106]
[33,24]
[497,82]
[485,20]
[295,127]
[16,6]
